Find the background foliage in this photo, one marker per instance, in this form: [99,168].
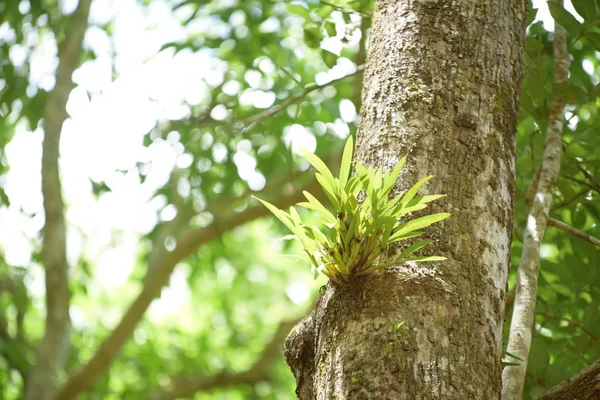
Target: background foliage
[260,78]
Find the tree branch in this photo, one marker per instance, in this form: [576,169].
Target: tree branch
[567,202]
[187,242]
[259,371]
[584,183]
[573,231]
[258,117]
[282,106]
[588,175]
[583,386]
[54,345]
[513,377]
[346,10]
[570,321]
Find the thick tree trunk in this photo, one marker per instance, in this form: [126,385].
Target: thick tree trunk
[441,85]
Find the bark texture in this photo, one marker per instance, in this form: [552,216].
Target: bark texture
[583,386]
[519,341]
[54,346]
[441,85]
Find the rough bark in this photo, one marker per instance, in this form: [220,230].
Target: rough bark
[519,342]
[52,350]
[583,386]
[441,85]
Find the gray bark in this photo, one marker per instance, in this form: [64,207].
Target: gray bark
[441,85]
[53,348]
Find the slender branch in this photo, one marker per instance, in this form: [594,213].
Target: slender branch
[584,183]
[570,321]
[346,10]
[282,106]
[588,175]
[513,377]
[259,371]
[573,231]
[187,243]
[361,59]
[52,350]
[569,201]
[585,385]
[258,117]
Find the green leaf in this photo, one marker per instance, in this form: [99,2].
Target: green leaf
[570,93]
[328,190]
[280,214]
[411,249]
[313,35]
[424,199]
[315,204]
[413,190]
[585,8]
[565,19]
[390,179]
[330,28]
[398,237]
[422,222]
[325,11]
[346,163]
[320,166]
[329,58]
[509,364]
[505,352]
[424,259]
[298,10]
[594,39]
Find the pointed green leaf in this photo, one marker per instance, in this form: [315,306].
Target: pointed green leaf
[318,206]
[280,214]
[346,163]
[396,237]
[424,199]
[328,190]
[564,18]
[287,237]
[422,222]
[361,171]
[411,249]
[413,190]
[354,186]
[585,8]
[512,355]
[319,166]
[327,216]
[390,179]
[423,259]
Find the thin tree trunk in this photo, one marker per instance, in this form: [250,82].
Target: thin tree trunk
[513,377]
[54,346]
[441,85]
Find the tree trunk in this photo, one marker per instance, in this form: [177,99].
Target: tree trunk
[441,85]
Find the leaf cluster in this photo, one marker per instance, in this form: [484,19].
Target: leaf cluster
[354,236]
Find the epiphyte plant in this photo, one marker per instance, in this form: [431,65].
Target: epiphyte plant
[355,235]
